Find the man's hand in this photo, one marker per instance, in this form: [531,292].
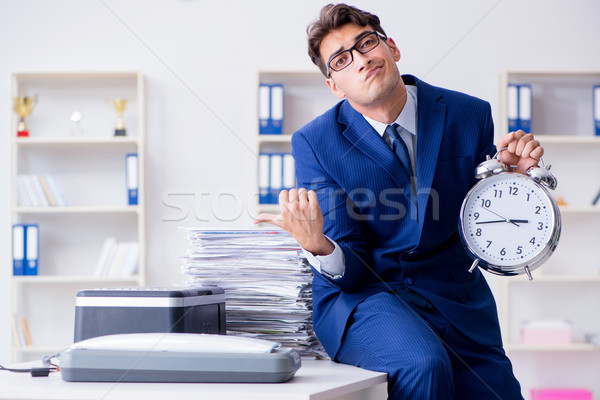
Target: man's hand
[301,217]
[522,150]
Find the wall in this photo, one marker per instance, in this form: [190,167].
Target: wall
[200,60]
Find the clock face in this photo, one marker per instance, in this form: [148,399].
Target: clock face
[508,220]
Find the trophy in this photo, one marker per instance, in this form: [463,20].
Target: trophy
[119,105]
[23,107]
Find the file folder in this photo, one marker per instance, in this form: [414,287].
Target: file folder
[264,188]
[277,109]
[18,249]
[289,172]
[597,109]
[32,236]
[512,95]
[525,108]
[276,177]
[270,109]
[276,171]
[132,178]
[264,109]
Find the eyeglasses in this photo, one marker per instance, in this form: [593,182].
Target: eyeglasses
[344,58]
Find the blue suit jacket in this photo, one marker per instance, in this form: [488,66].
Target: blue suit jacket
[366,202]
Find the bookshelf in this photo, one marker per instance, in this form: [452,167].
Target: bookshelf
[90,163]
[305,96]
[567,286]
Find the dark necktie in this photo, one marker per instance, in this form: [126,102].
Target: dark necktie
[399,147]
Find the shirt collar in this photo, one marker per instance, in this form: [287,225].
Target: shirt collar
[407,118]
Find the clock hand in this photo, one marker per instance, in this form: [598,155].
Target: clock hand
[490,222]
[505,219]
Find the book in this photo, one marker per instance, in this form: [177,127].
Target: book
[16,331]
[106,255]
[26,332]
[130,261]
[40,190]
[118,259]
[47,192]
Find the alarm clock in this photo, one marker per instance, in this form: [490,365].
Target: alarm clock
[509,222]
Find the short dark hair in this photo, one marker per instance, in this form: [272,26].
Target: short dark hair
[333,17]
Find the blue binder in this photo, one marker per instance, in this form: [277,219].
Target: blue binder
[525,98]
[289,171]
[264,187]
[519,100]
[596,103]
[276,177]
[277,109]
[512,104]
[32,248]
[270,109]
[276,172]
[132,176]
[18,249]
[264,109]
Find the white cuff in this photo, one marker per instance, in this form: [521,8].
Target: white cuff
[332,265]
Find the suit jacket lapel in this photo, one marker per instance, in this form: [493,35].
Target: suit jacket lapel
[430,125]
[366,140]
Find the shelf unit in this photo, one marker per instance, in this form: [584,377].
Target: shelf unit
[306,96]
[90,162]
[567,286]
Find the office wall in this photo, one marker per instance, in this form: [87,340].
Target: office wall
[200,60]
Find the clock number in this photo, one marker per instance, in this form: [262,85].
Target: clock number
[478,232]
[489,242]
[476,215]
[503,251]
[532,241]
[513,191]
[537,209]
[527,196]
[486,203]
[540,226]
[497,193]
[520,250]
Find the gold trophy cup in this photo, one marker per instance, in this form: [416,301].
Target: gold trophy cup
[119,105]
[23,106]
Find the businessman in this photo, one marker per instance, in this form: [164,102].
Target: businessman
[381,179]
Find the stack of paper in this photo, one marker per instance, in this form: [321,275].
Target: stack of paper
[267,283]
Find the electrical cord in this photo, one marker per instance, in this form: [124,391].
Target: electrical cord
[36,371]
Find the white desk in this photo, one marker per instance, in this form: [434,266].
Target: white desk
[315,380]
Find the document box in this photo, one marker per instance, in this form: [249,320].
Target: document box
[108,311]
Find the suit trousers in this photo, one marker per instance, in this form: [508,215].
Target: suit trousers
[424,355]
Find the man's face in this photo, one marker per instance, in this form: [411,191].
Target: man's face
[372,77]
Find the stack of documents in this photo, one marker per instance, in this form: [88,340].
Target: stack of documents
[267,283]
